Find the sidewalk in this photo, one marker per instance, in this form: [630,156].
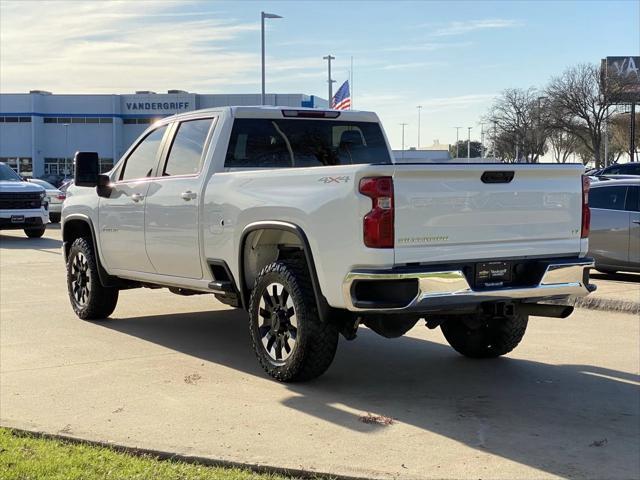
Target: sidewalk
[618,292]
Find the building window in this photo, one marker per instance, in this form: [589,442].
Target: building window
[75,119]
[15,119]
[58,166]
[139,121]
[106,164]
[21,165]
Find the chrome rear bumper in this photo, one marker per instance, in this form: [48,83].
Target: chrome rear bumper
[440,290]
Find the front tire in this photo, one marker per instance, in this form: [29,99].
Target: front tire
[34,232]
[291,342]
[490,337]
[89,299]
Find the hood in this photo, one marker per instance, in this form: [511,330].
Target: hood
[19,187]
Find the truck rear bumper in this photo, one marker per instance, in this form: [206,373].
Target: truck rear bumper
[430,290]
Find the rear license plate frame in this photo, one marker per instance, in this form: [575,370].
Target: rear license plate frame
[496,273]
[17,218]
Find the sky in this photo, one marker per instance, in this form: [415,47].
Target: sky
[452,58]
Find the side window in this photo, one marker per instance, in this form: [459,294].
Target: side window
[142,161]
[258,144]
[610,198]
[185,154]
[630,168]
[633,199]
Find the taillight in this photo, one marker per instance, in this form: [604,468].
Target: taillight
[586,212]
[378,223]
[61,196]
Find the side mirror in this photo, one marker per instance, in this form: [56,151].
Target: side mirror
[87,165]
[104,186]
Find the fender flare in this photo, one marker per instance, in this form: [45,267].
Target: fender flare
[105,279]
[321,301]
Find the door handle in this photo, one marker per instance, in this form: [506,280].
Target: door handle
[136,197]
[637,222]
[188,195]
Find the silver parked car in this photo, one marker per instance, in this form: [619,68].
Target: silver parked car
[55,197]
[614,241]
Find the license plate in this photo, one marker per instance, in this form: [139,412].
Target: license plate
[493,273]
[17,218]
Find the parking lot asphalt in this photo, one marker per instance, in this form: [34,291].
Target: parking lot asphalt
[177,374]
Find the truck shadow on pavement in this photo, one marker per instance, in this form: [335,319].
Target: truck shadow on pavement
[25,243]
[567,420]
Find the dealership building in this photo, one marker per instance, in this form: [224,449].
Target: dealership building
[41,131]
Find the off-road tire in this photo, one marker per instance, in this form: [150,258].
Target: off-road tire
[316,341]
[100,301]
[34,232]
[485,338]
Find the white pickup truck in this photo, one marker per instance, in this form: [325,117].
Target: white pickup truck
[301,217]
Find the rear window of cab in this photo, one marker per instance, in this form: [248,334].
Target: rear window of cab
[290,143]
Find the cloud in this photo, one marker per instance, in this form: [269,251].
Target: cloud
[427,47]
[463,27]
[115,47]
[404,66]
[456,102]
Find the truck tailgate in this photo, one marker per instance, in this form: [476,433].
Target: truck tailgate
[448,213]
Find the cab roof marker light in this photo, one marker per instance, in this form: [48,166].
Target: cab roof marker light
[310,114]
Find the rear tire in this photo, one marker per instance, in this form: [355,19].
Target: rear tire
[490,337]
[89,299]
[34,232]
[291,342]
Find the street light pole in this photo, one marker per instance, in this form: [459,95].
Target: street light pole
[457,141]
[419,107]
[481,140]
[264,15]
[66,148]
[469,143]
[403,125]
[330,81]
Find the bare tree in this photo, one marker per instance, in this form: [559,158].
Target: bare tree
[619,135]
[579,107]
[562,145]
[520,125]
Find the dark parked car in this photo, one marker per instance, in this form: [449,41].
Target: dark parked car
[620,169]
[614,241]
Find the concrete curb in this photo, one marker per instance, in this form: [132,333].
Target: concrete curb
[192,459]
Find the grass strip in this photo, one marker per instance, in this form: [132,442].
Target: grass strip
[26,457]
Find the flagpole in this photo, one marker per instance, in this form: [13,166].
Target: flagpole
[351,84]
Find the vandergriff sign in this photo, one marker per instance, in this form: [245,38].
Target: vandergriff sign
[166,104]
[621,76]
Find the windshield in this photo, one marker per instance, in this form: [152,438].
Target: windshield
[8,175]
[264,143]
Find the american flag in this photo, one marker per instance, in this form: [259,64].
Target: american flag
[342,99]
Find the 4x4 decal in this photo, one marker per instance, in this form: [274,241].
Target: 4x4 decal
[340,179]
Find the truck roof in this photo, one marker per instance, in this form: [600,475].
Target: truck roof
[284,112]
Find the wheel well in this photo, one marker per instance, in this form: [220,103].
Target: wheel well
[264,246]
[74,229]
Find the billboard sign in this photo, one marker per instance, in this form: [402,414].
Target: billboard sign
[622,78]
